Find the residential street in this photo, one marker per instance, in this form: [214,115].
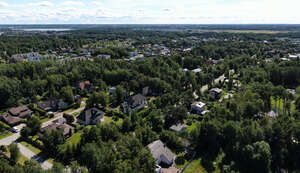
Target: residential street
[25,151]
[10,139]
[57,116]
[31,155]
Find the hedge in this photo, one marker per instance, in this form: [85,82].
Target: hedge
[36,109]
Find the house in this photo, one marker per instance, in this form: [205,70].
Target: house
[103,56]
[216,92]
[48,105]
[15,115]
[198,107]
[62,104]
[34,57]
[91,116]
[137,102]
[112,90]
[11,120]
[66,129]
[197,70]
[177,127]
[161,153]
[86,85]
[21,112]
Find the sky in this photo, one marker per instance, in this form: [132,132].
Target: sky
[149,12]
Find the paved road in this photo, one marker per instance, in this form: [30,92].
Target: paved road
[10,139]
[57,116]
[205,87]
[31,155]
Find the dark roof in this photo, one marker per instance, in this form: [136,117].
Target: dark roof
[48,104]
[20,111]
[64,128]
[91,115]
[136,100]
[11,119]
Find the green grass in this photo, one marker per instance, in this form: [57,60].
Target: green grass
[46,119]
[108,120]
[31,147]
[5,135]
[22,159]
[195,167]
[75,139]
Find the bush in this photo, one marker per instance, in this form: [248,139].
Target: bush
[36,109]
[70,119]
[180,160]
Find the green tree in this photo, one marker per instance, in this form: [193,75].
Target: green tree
[14,153]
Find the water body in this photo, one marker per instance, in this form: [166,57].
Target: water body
[44,29]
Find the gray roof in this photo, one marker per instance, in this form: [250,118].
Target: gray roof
[177,127]
[159,149]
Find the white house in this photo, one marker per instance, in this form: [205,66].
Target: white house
[198,107]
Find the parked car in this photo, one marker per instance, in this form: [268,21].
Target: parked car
[15,130]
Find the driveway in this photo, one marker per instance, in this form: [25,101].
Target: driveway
[31,155]
[205,87]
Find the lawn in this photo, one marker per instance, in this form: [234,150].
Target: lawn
[22,159]
[75,139]
[5,134]
[46,119]
[195,167]
[108,120]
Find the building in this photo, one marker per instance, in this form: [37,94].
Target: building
[48,105]
[21,112]
[136,102]
[103,56]
[161,153]
[66,129]
[198,107]
[112,90]
[11,120]
[34,57]
[178,127]
[16,115]
[86,85]
[216,92]
[197,70]
[91,117]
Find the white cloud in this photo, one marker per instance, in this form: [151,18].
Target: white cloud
[154,11]
[96,3]
[3,4]
[42,3]
[72,3]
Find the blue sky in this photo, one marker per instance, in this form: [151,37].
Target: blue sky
[149,11]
